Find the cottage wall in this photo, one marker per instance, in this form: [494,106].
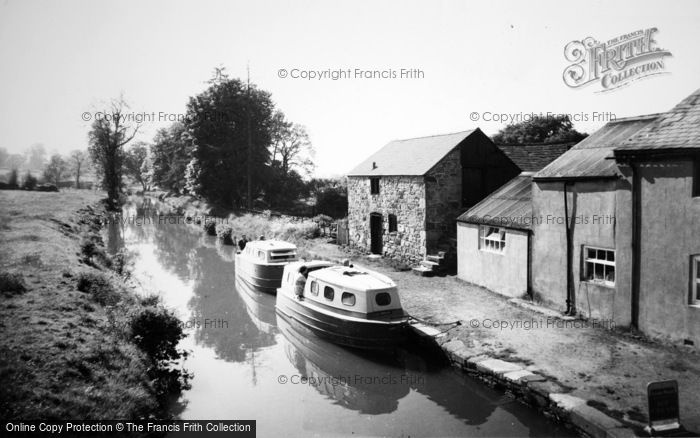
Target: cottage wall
[443,189]
[670,235]
[505,273]
[403,196]
[599,210]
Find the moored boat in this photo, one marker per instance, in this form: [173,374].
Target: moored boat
[261,264]
[349,306]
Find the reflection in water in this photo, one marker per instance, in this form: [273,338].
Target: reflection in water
[240,348]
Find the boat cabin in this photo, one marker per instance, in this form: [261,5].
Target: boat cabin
[345,289]
[270,251]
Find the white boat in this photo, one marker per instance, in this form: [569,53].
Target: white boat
[346,305]
[261,264]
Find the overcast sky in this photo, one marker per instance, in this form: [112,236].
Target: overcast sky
[59,59]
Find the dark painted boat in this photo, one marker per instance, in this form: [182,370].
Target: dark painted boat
[346,305]
[261,264]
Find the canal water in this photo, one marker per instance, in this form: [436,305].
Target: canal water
[249,363]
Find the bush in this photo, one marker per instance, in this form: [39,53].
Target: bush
[12,283]
[225,234]
[157,331]
[99,287]
[30,182]
[209,227]
[323,220]
[46,188]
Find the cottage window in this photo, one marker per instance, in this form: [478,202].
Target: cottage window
[392,223]
[599,265]
[328,293]
[695,299]
[492,238]
[696,177]
[374,186]
[314,288]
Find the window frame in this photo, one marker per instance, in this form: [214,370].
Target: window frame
[695,280]
[382,294]
[585,260]
[325,296]
[393,223]
[313,288]
[374,185]
[350,294]
[696,177]
[489,245]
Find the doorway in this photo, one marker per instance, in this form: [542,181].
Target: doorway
[375,230]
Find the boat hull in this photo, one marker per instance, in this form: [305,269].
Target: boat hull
[355,333]
[261,277]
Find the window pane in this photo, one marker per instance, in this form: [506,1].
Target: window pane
[348,299]
[589,270]
[610,274]
[599,275]
[591,253]
[383,299]
[611,256]
[328,293]
[314,288]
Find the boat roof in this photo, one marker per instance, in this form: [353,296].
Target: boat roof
[353,278]
[313,264]
[271,244]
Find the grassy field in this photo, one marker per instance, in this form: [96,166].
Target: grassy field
[59,356]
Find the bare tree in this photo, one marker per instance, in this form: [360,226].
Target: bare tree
[291,147]
[108,136]
[78,162]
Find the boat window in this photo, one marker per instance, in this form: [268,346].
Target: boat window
[348,299]
[261,255]
[314,288]
[328,293]
[383,299]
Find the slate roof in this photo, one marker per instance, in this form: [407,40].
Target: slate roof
[678,128]
[592,156]
[534,157]
[510,206]
[410,157]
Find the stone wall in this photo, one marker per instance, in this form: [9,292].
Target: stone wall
[403,196]
[443,189]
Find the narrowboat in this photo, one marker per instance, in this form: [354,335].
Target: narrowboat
[349,306]
[261,263]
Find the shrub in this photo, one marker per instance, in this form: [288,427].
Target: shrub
[46,188]
[225,234]
[323,220]
[30,182]
[12,283]
[156,331]
[209,227]
[99,287]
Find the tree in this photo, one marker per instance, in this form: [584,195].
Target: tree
[170,153]
[36,157]
[291,148]
[137,164]
[55,170]
[15,161]
[540,130]
[331,196]
[230,124]
[108,136]
[30,181]
[78,163]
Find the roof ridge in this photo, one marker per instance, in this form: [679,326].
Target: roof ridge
[637,118]
[435,135]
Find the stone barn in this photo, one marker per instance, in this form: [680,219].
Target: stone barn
[404,200]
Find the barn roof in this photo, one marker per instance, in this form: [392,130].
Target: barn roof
[678,128]
[410,157]
[534,157]
[591,157]
[509,206]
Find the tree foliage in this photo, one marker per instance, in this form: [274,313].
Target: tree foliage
[137,165]
[331,196]
[108,137]
[56,169]
[539,130]
[231,126]
[170,153]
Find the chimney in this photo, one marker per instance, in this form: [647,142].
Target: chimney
[374,165]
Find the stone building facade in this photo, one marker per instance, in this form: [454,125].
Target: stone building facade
[403,201]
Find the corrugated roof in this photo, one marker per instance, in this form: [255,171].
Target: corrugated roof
[509,206]
[534,157]
[678,128]
[590,158]
[413,156]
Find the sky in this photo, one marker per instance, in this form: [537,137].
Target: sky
[61,59]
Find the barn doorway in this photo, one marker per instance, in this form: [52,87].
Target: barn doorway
[375,230]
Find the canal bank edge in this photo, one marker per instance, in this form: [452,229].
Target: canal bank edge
[533,389]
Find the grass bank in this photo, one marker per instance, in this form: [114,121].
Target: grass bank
[75,341]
